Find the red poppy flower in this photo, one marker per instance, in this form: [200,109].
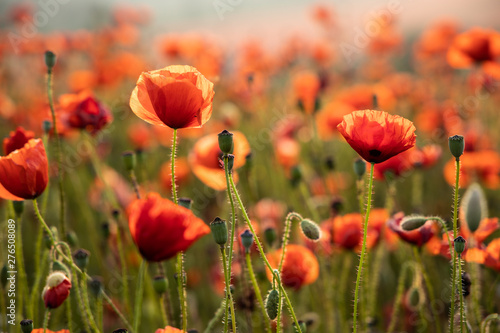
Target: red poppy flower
[481,165]
[24,172]
[299,268]
[16,140]
[41,330]
[83,111]
[56,290]
[169,329]
[175,96]
[376,135]
[487,226]
[397,165]
[416,237]
[161,229]
[306,86]
[493,254]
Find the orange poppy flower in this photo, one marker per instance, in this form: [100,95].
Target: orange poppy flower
[377,136]
[493,254]
[83,111]
[24,173]
[16,140]
[481,165]
[486,227]
[287,152]
[416,237]
[205,160]
[300,266]
[360,96]
[436,40]
[476,46]
[330,117]
[139,134]
[40,330]
[348,229]
[169,329]
[161,229]
[306,86]
[175,96]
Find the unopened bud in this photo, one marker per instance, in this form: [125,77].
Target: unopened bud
[46,126]
[271,304]
[26,325]
[310,229]
[18,207]
[247,240]
[270,236]
[457,145]
[81,257]
[226,142]
[359,167]
[129,160]
[50,60]
[413,222]
[459,244]
[219,231]
[474,206]
[160,284]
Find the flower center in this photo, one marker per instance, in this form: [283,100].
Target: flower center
[375,152]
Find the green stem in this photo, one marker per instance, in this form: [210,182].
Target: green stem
[62,223]
[46,318]
[23,282]
[163,310]
[181,289]
[172,166]
[455,234]
[306,196]
[86,303]
[485,325]
[139,295]
[476,290]
[233,222]
[216,318]
[99,314]
[460,291]
[69,260]
[288,224]
[124,270]
[280,309]
[258,294]
[259,245]
[430,288]
[228,295]
[399,296]
[69,314]
[344,277]
[363,249]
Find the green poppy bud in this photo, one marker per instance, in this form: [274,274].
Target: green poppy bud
[271,304]
[226,142]
[310,229]
[247,240]
[219,231]
[457,145]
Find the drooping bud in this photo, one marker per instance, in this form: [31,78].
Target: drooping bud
[18,207]
[81,257]
[230,162]
[226,142]
[185,202]
[50,60]
[129,160]
[160,284]
[26,325]
[457,145]
[270,236]
[219,231]
[246,240]
[459,244]
[310,229]
[413,222]
[56,290]
[271,304]
[474,206]
[359,167]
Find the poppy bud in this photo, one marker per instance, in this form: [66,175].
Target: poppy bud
[474,206]
[120,330]
[230,163]
[413,222]
[160,284]
[330,163]
[302,325]
[18,207]
[413,298]
[226,142]
[81,257]
[3,276]
[459,244]
[247,240]
[295,175]
[457,145]
[56,290]
[26,325]
[359,167]
[185,202]
[95,286]
[46,126]
[271,304]
[270,236]
[129,160]
[72,238]
[58,266]
[310,229]
[219,231]
[50,60]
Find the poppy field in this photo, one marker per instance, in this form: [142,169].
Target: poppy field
[177,183]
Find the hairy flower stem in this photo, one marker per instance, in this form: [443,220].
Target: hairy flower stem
[69,260]
[124,270]
[261,249]
[461,292]
[399,295]
[363,249]
[139,295]
[485,325]
[23,280]
[216,318]
[229,295]
[258,294]
[172,166]
[85,297]
[62,223]
[455,234]
[46,318]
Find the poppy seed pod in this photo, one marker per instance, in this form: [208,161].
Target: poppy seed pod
[56,290]
[18,207]
[474,207]
[50,60]
[230,163]
[95,285]
[226,142]
[160,284]
[246,240]
[219,231]
[129,160]
[459,244]
[81,257]
[271,304]
[310,229]
[457,145]
[26,325]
